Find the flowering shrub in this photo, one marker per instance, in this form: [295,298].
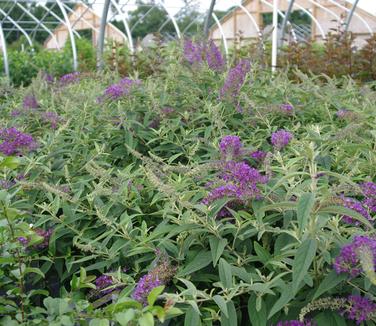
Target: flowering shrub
[163,203]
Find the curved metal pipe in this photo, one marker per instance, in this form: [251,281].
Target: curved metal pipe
[222,33]
[353,13]
[172,19]
[5,53]
[39,24]
[141,18]
[350,15]
[71,36]
[100,44]
[253,20]
[18,27]
[125,23]
[325,9]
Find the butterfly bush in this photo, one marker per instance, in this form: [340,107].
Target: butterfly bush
[193,52]
[258,155]
[104,281]
[357,207]
[30,102]
[235,80]
[369,192]
[295,323]
[286,108]
[15,142]
[120,89]
[348,261]
[70,78]
[230,147]
[214,57]
[281,139]
[360,309]
[52,118]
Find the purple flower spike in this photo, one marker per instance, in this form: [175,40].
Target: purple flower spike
[46,235]
[360,309]
[193,52]
[144,286]
[52,118]
[15,142]
[235,80]
[287,108]
[369,192]
[214,57]
[357,207]
[70,78]
[121,89]
[104,281]
[24,241]
[281,139]
[230,147]
[258,155]
[30,102]
[348,260]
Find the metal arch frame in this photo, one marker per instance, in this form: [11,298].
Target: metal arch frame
[172,19]
[280,13]
[353,13]
[5,53]
[62,21]
[71,11]
[325,9]
[7,16]
[350,15]
[251,18]
[102,29]
[225,45]
[39,23]
[33,33]
[126,25]
[71,35]
[141,18]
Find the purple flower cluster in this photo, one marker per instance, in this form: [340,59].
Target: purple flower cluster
[241,184]
[70,78]
[357,207]
[369,193]
[30,102]
[235,80]
[281,139]
[230,147]
[144,286]
[348,260]
[295,323]
[15,142]
[48,78]
[104,281]
[6,184]
[122,88]
[258,155]
[24,241]
[214,57]
[286,108]
[193,52]
[52,118]
[360,309]
[46,235]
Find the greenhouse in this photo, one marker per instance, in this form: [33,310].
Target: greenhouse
[188,162]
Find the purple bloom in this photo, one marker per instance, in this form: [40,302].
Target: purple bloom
[193,52]
[369,192]
[235,80]
[48,78]
[357,207]
[15,142]
[167,111]
[5,184]
[144,286]
[230,147]
[45,234]
[30,102]
[52,118]
[287,108]
[258,155]
[342,113]
[24,241]
[122,88]
[348,260]
[70,78]
[360,309]
[214,57]
[281,139]
[103,282]
[15,113]
[295,323]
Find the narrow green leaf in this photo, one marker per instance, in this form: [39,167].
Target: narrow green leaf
[232,319]
[330,281]
[33,270]
[146,319]
[221,304]
[152,297]
[123,318]
[99,322]
[304,209]
[225,273]
[262,253]
[284,299]
[257,317]
[302,261]
[217,246]
[192,318]
[340,210]
[201,260]
[330,318]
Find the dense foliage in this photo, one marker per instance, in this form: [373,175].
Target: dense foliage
[201,193]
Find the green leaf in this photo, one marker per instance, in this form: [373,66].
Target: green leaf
[225,273]
[330,318]
[9,162]
[340,210]
[152,297]
[330,281]
[232,319]
[284,299]
[202,259]
[257,317]
[99,322]
[192,318]
[302,261]
[304,209]
[33,270]
[217,246]
[221,304]
[262,253]
[146,319]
